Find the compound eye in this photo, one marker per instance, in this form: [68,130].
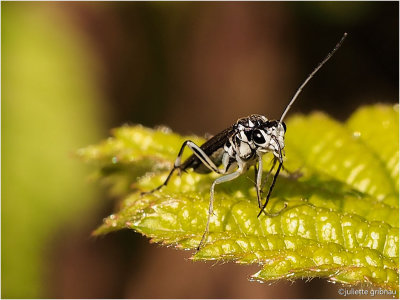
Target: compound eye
[258,137]
[284,126]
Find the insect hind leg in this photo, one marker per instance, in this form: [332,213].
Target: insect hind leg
[163,184]
[200,154]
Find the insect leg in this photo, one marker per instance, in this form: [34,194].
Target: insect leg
[258,173]
[270,190]
[292,174]
[259,185]
[274,160]
[280,158]
[225,178]
[177,165]
[163,184]
[204,158]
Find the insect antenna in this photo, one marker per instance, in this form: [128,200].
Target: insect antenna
[330,54]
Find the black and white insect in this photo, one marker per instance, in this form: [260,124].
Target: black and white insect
[233,151]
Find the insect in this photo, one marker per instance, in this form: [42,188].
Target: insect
[233,151]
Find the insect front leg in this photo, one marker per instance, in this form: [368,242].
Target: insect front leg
[280,158]
[177,165]
[225,178]
[296,174]
[258,173]
[274,160]
[270,191]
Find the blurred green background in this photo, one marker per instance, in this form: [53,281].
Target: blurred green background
[73,70]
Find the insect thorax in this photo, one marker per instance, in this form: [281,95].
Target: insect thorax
[253,136]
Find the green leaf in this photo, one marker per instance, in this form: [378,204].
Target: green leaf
[341,220]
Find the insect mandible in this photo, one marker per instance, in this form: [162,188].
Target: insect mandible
[239,147]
